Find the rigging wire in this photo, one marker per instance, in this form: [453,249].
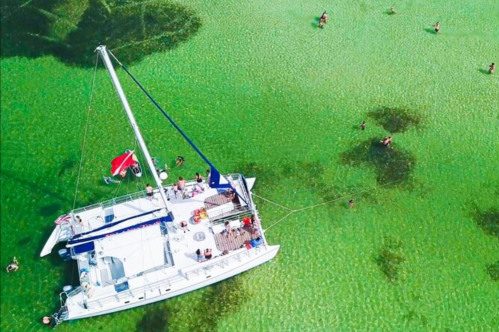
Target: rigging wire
[86,130]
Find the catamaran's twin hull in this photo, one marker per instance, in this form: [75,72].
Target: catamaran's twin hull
[182,287]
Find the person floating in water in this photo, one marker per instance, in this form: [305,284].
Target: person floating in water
[325,17]
[321,23]
[46,320]
[363,125]
[492,68]
[386,141]
[351,203]
[180,161]
[14,266]
[109,180]
[437,27]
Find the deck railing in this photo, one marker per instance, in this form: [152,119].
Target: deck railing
[140,194]
[165,285]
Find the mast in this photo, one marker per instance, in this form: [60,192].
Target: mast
[109,65]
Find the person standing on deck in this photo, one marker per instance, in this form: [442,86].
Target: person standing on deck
[199,181]
[149,191]
[181,186]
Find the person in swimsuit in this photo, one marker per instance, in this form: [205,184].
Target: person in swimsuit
[363,125]
[180,161]
[14,266]
[200,257]
[325,17]
[175,189]
[437,27]
[208,254]
[492,68]
[351,203]
[199,180]
[321,23]
[181,186]
[109,180]
[386,141]
[46,320]
[226,231]
[149,191]
[184,226]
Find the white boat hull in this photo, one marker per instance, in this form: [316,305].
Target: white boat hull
[181,287]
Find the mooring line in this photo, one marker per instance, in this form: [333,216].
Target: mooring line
[272,202]
[291,211]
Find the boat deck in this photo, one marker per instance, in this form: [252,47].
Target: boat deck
[142,255]
[229,242]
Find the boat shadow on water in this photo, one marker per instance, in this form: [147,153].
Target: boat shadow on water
[217,302]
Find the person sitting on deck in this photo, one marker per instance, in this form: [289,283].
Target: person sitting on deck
[208,254]
[230,194]
[226,231]
[184,226]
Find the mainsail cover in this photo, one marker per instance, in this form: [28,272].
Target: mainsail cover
[122,162]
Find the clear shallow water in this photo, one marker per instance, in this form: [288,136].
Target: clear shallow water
[291,98]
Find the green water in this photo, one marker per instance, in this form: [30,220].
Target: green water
[263,91]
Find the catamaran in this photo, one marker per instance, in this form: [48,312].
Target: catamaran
[153,245]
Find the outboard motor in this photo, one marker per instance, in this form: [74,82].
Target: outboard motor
[64,254]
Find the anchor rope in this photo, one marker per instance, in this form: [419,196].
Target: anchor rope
[292,211]
[86,130]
